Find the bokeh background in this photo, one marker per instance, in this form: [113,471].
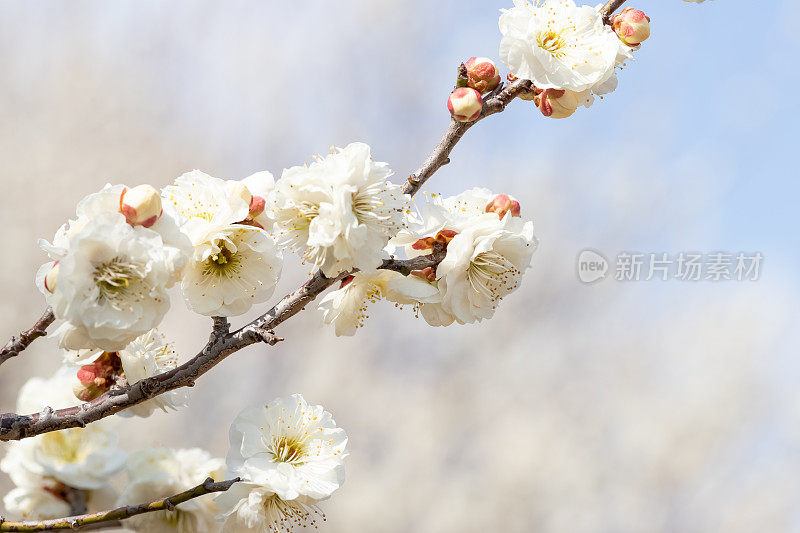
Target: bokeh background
[616,407]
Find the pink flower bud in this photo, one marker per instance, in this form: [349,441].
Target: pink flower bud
[51,278]
[632,26]
[557,103]
[502,204]
[465,104]
[483,74]
[257,205]
[141,205]
[96,378]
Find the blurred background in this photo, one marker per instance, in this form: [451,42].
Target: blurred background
[660,406]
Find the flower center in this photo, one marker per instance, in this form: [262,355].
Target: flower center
[306,212]
[222,263]
[287,449]
[492,275]
[552,42]
[64,445]
[116,279]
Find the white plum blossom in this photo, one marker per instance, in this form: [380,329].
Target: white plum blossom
[112,284]
[487,253]
[107,278]
[558,45]
[146,356]
[346,307]
[83,458]
[235,263]
[235,269]
[289,455]
[340,211]
[160,472]
[484,263]
[176,245]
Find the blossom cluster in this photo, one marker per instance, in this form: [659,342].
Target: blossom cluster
[221,243]
[289,456]
[567,51]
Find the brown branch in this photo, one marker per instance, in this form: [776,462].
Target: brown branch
[220,345]
[112,517]
[494,102]
[609,9]
[223,343]
[16,345]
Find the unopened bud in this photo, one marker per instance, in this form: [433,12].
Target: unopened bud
[465,104]
[632,26]
[51,278]
[557,103]
[240,190]
[257,205]
[96,378]
[502,204]
[428,274]
[89,384]
[483,74]
[141,205]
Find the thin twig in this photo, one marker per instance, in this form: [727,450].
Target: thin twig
[221,343]
[76,498]
[81,522]
[16,345]
[609,9]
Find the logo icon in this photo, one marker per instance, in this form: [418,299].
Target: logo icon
[592,266]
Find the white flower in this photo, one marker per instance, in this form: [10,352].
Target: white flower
[346,308]
[83,458]
[290,456]
[235,263]
[339,211]
[146,356]
[250,507]
[237,267]
[290,447]
[35,503]
[112,284]
[558,45]
[157,473]
[484,263]
[176,245]
[486,255]
[202,204]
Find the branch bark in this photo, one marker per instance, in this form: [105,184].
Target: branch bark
[111,517]
[222,343]
[493,103]
[16,345]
